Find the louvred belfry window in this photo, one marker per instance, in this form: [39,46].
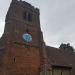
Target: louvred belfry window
[27,16]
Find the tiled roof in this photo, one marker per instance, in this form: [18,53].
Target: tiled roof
[59,57]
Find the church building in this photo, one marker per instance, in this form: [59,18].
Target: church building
[22,47]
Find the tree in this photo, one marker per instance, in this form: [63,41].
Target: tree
[67,47]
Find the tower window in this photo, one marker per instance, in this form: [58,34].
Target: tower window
[14,60]
[27,16]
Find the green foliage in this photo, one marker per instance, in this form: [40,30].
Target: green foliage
[67,47]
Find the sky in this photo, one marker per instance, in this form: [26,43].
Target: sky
[57,20]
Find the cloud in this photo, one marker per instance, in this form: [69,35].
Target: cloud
[58,21]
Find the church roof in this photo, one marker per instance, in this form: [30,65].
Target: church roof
[58,57]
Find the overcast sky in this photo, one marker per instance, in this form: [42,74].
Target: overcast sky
[57,19]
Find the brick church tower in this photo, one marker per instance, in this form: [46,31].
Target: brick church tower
[22,48]
[22,42]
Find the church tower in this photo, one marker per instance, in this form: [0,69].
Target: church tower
[22,48]
[23,40]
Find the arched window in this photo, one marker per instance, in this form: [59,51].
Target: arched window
[27,16]
[14,60]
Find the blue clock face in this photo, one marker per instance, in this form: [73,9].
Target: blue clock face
[27,37]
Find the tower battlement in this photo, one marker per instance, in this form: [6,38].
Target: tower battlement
[24,4]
